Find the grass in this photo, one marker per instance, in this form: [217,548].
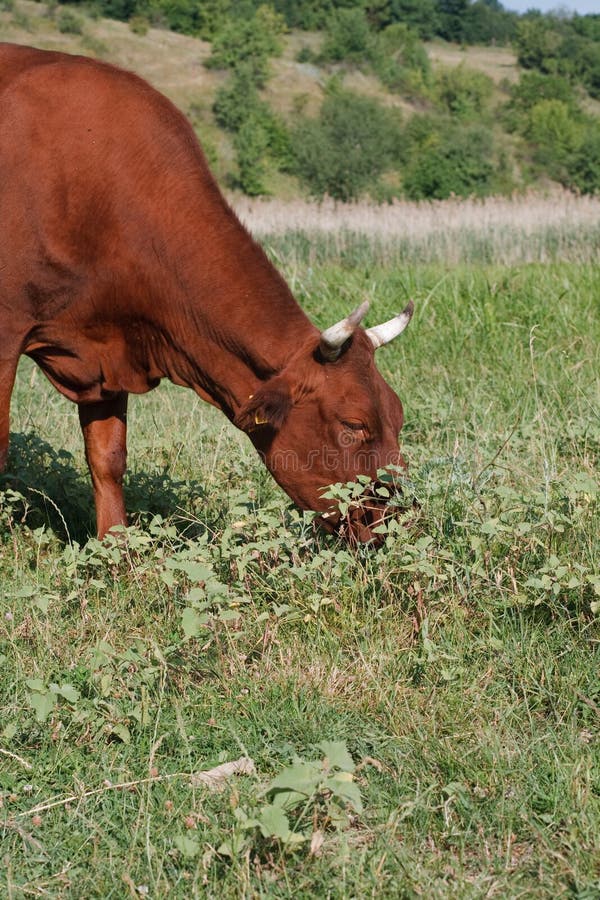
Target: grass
[458,664]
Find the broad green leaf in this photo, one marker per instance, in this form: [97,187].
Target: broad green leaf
[42,704]
[302,777]
[193,622]
[187,846]
[69,693]
[273,822]
[122,731]
[346,790]
[336,755]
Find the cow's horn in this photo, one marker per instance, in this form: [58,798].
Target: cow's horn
[333,339]
[383,334]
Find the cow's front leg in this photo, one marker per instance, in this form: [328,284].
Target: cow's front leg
[8,370]
[104,426]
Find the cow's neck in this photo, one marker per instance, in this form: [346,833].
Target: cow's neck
[232,321]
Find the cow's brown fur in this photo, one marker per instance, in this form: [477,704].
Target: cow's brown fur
[121,264]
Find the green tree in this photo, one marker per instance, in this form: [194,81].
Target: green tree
[418,15]
[251,144]
[537,44]
[462,92]
[347,37]
[453,161]
[400,59]
[555,136]
[249,42]
[345,151]
[584,164]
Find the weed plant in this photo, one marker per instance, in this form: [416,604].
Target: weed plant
[421,720]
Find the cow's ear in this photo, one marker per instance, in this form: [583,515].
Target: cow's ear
[267,408]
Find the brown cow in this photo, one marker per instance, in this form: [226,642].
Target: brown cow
[121,264]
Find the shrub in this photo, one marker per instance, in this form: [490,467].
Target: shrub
[535,86]
[236,99]
[347,37]
[462,92]
[69,23]
[251,144]
[400,59]
[421,16]
[555,134]
[249,42]
[537,44]
[457,161]
[344,152]
[584,164]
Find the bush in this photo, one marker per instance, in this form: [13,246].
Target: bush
[584,164]
[537,44]
[345,151]
[69,23]
[347,37]
[421,16]
[400,59]
[458,162]
[249,42]
[462,92]
[251,144]
[555,135]
[535,86]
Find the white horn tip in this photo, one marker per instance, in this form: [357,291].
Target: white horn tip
[383,334]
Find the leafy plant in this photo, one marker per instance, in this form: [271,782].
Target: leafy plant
[306,799]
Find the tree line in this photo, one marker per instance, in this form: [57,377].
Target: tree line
[462,139]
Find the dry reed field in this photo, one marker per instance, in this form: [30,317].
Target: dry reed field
[526,228]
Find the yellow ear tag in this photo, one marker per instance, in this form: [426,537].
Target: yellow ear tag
[259,421]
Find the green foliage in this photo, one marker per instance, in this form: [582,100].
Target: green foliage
[487,22]
[259,133]
[421,16]
[344,152]
[555,46]
[554,134]
[306,800]
[251,143]
[249,43]
[537,44]
[347,37]
[456,161]
[532,88]
[68,22]
[462,92]
[400,60]
[584,162]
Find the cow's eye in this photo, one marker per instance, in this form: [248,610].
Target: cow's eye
[359,429]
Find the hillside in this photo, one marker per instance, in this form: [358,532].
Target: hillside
[444,131]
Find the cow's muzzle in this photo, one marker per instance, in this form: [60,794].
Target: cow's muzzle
[364,521]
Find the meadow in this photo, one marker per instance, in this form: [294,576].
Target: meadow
[418,720]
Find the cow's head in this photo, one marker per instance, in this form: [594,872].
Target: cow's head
[329,417]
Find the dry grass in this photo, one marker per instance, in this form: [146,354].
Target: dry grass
[497,62]
[526,228]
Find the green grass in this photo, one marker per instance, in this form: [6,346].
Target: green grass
[458,664]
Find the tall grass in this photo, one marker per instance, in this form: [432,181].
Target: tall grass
[458,663]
